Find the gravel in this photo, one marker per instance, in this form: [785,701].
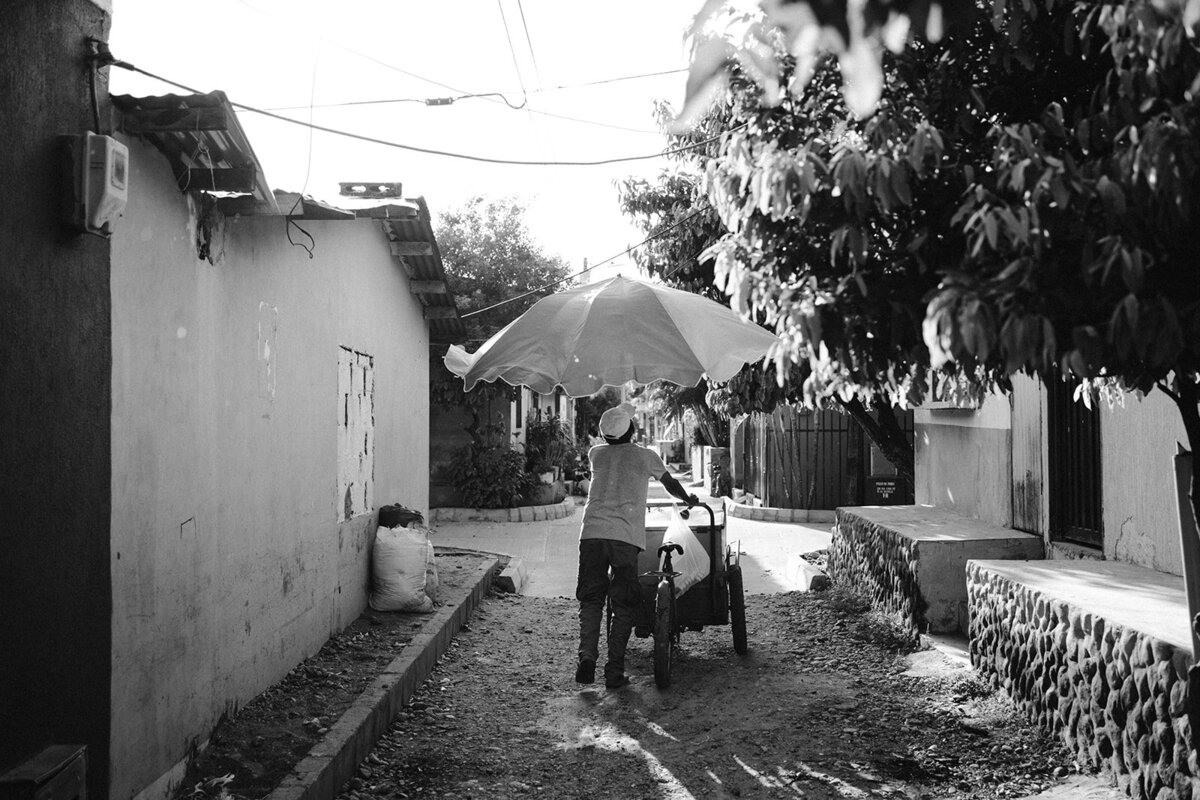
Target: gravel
[819,708]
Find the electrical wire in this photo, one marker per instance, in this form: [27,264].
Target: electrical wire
[529,43]
[290,222]
[439,101]
[361,54]
[590,267]
[463,93]
[512,50]
[431,151]
[446,101]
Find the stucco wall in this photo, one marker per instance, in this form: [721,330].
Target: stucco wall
[54,402]
[1137,444]
[964,460]
[229,562]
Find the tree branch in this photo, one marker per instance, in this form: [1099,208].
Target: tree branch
[888,436]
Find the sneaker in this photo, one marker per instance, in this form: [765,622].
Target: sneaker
[586,671]
[617,683]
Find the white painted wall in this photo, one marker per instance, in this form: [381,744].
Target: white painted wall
[977,462]
[229,562]
[963,460]
[1137,445]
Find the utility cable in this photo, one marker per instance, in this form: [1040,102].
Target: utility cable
[489,96]
[512,50]
[360,54]
[440,101]
[446,101]
[290,221]
[590,267]
[430,151]
[529,43]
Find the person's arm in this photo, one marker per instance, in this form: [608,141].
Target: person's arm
[676,488]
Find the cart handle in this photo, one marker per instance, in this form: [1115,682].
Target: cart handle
[712,518]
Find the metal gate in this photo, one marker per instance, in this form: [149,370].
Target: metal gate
[1074,468]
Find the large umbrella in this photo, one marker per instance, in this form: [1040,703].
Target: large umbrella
[613,332]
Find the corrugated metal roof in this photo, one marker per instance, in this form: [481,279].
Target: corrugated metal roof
[413,243]
[208,151]
[203,141]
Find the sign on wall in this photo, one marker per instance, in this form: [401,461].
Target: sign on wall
[356,434]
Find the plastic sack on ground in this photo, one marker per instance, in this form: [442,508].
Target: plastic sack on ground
[693,565]
[401,560]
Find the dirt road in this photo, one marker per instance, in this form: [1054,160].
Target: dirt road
[819,708]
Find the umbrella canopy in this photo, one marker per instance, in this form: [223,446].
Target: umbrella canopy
[613,332]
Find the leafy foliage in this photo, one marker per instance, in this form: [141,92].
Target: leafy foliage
[489,256]
[691,207]
[491,476]
[547,444]
[1025,190]
[589,409]
[1019,197]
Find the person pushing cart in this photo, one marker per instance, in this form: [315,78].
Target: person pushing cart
[611,537]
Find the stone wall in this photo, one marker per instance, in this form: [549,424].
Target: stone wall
[1116,696]
[880,562]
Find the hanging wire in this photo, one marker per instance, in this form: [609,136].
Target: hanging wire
[529,42]
[287,227]
[431,151]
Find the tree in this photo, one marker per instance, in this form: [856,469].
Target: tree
[1046,163]
[490,256]
[735,199]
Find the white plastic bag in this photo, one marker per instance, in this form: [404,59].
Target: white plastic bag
[693,565]
[401,561]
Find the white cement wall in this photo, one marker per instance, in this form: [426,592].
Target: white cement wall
[1137,444]
[229,562]
[963,460]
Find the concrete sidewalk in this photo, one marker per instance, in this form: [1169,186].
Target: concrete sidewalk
[549,549]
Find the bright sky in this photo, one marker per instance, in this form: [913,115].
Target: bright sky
[285,53]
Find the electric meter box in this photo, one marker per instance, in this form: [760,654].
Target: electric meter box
[98,177]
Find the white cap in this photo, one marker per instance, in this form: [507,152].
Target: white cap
[615,422]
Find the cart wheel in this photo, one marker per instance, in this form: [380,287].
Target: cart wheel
[663,644]
[737,607]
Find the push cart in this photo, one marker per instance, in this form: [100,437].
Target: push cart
[717,599]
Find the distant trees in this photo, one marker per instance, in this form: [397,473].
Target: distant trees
[491,256]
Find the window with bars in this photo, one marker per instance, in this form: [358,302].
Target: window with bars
[1074,468]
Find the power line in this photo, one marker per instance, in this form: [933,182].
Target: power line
[512,50]
[541,90]
[624,252]
[361,54]
[431,151]
[463,94]
[529,43]
[446,101]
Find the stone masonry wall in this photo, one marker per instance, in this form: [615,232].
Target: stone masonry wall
[1117,697]
[879,561]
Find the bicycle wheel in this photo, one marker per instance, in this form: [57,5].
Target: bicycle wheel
[737,607]
[664,646]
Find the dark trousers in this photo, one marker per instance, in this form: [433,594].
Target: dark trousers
[596,558]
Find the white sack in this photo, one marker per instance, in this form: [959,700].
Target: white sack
[693,565]
[401,559]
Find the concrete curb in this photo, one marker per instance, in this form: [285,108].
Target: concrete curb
[559,510]
[769,514]
[333,760]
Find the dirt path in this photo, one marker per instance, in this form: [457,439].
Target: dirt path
[819,708]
